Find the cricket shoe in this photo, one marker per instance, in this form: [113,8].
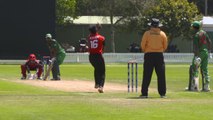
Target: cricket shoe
[96,86]
[191,89]
[163,96]
[194,86]
[187,89]
[55,79]
[23,78]
[206,88]
[143,96]
[195,89]
[100,90]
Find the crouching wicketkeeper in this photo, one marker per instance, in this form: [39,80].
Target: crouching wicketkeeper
[32,64]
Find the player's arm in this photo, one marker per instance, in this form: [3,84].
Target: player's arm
[209,42]
[195,45]
[52,47]
[104,45]
[195,50]
[53,52]
[143,42]
[27,66]
[98,25]
[165,41]
[102,38]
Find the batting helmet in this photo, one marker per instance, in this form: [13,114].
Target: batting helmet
[196,24]
[48,36]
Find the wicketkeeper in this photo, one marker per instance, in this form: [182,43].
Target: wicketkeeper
[202,50]
[32,64]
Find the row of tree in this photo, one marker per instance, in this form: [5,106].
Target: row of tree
[175,15]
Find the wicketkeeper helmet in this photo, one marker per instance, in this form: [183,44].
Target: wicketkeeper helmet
[32,57]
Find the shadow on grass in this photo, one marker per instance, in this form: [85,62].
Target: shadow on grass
[145,98]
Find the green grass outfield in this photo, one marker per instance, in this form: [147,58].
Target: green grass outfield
[24,102]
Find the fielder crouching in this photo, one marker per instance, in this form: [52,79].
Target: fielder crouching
[32,64]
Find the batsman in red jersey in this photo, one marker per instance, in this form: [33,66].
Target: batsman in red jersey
[96,46]
[31,64]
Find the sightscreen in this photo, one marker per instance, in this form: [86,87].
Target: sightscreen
[23,25]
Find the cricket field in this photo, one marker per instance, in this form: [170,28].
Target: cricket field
[50,100]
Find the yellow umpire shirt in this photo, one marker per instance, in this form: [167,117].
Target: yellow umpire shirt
[154,40]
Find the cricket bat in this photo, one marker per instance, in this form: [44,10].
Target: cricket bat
[49,68]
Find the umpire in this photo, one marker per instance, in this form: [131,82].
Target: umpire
[153,44]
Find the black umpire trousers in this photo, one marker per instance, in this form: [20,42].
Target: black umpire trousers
[153,61]
[98,63]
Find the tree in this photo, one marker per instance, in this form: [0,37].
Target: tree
[65,11]
[111,8]
[115,6]
[175,15]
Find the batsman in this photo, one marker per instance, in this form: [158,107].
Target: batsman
[202,51]
[57,54]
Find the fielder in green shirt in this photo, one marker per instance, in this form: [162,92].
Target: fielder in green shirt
[57,54]
[201,50]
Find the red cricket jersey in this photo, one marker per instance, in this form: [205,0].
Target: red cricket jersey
[96,43]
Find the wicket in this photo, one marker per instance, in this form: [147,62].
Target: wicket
[133,79]
[46,63]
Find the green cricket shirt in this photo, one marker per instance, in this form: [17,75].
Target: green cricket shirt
[200,40]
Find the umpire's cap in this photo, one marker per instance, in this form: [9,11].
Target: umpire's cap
[155,23]
[93,29]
